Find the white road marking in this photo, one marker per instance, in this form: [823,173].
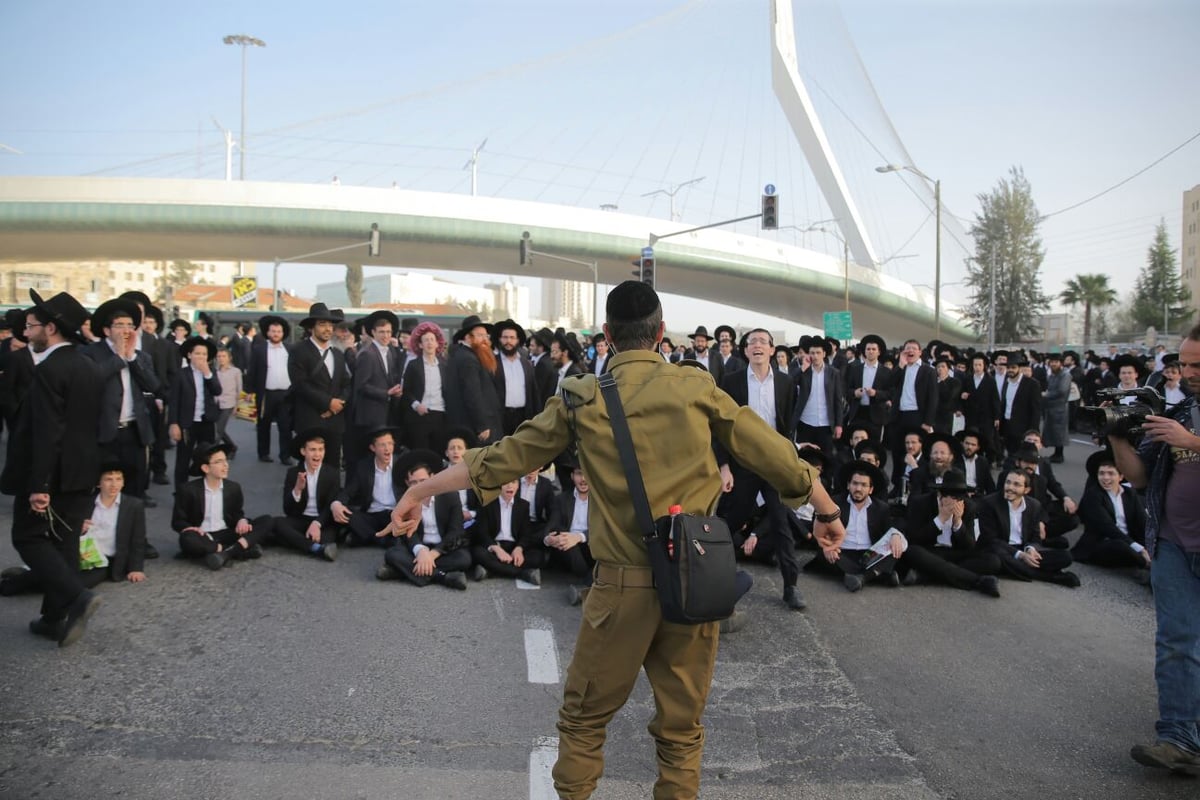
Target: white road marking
[1087,442]
[541,656]
[525,585]
[541,762]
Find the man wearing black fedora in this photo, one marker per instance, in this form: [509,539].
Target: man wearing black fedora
[373,484]
[268,379]
[945,540]
[544,373]
[702,353]
[128,377]
[515,382]
[470,390]
[309,489]
[53,464]
[320,381]
[209,515]
[378,376]
[867,386]
[192,409]
[165,357]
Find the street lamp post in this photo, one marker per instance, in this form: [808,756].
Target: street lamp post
[243,41]
[937,258]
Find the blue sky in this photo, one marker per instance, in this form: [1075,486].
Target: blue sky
[587,103]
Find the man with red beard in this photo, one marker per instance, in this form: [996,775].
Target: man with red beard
[470,392]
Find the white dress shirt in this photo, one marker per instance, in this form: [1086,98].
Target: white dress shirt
[506,510]
[816,410]
[908,395]
[103,529]
[514,381]
[1015,530]
[760,395]
[214,508]
[277,368]
[868,381]
[579,520]
[383,495]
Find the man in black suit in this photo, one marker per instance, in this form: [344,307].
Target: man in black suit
[566,537]
[1114,520]
[373,485]
[309,490]
[702,353]
[436,551]
[271,384]
[977,470]
[470,390]
[598,363]
[914,402]
[948,391]
[767,391]
[320,381]
[514,377]
[128,376]
[945,541]
[868,387]
[1014,525]
[538,491]
[819,406]
[209,515]
[726,346]
[165,357]
[377,379]
[241,344]
[980,403]
[1046,488]
[545,374]
[872,546]
[1020,404]
[192,409]
[53,464]
[118,527]
[505,543]
[943,453]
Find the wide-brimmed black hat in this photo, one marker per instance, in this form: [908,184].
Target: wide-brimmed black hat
[111,464]
[879,482]
[371,320]
[929,439]
[15,318]
[319,312]
[141,298]
[965,432]
[192,342]
[202,454]
[544,337]
[1127,360]
[375,433]
[267,320]
[64,311]
[700,331]
[176,323]
[953,483]
[411,459]
[813,455]
[725,329]
[304,437]
[875,447]
[1028,452]
[207,319]
[809,342]
[469,324]
[460,432]
[1170,359]
[155,313]
[510,325]
[872,338]
[568,342]
[785,349]
[408,325]
[667,341]
[850,428]
[103,316]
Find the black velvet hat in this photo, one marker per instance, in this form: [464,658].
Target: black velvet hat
[188,345]
[64,311]
[267,320]
[103,316]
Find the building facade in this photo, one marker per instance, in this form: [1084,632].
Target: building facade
[1189,251]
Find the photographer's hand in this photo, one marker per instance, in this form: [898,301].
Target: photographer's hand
[1168,431]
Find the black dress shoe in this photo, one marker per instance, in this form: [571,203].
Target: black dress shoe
[160,479]
[265,459]
[455,580]
[45,628]
[215,561]
[287,462]
[989,585]
[149,502]
[151,552]
[793,599]
[77,618]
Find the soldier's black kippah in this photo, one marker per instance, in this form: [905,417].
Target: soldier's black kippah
[631,301]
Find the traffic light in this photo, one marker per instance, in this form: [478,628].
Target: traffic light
[373,244]
[770,212]
[526,258]
[637,267]
[648,271]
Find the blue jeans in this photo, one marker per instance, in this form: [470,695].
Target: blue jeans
[1176,580]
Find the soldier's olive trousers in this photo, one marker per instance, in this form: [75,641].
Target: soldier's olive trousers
[622,632]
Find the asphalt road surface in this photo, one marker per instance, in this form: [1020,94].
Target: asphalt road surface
[292,678]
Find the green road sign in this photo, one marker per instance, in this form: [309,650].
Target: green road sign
[839,325]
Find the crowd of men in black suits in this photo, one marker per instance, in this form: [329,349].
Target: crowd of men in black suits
[102,396]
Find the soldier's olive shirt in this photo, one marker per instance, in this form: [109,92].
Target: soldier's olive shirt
[674,412]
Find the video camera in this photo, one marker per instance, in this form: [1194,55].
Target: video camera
[1124,420]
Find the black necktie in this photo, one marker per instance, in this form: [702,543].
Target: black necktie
[1004,400]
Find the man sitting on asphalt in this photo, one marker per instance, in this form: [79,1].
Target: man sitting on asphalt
[309,491]
[1114,521]
[1014,524]
[208,513]
[373,485]
[504,541]
[945,542]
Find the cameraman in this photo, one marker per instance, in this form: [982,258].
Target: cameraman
[1167,464]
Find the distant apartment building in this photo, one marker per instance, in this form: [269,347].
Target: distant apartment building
[568,303]
[93,282]
[1189,251]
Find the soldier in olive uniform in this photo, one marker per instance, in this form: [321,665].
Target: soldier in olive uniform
[674,412]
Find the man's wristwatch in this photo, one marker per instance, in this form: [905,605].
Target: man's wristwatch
[829,517]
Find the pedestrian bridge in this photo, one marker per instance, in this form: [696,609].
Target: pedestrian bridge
[83,219]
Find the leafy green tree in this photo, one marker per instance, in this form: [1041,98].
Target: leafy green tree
[1007,244]
[1159,295]
[354,285]
[1093,293]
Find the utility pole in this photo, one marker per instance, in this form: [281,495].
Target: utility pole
[473,165]
[243,41]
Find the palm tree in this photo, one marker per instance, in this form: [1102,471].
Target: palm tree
[1092,292]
